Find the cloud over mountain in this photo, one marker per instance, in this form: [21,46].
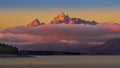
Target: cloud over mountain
[61,33]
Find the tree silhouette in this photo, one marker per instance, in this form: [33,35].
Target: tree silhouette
[7,49]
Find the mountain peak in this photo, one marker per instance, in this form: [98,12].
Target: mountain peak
[62,14]
[36,18]
[62,18]
[34,22]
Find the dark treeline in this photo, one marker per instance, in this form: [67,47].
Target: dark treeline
[48,53]
[7,49]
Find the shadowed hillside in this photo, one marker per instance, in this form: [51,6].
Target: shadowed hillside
[110,47]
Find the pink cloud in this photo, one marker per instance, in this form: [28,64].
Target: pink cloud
[61,33]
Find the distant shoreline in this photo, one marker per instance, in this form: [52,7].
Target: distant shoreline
[16,56]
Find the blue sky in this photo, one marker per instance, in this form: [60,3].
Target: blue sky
[59,3]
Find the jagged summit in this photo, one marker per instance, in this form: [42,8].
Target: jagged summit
[35,22]
[62,18]
[62,14]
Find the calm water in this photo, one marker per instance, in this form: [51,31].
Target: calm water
[62,62]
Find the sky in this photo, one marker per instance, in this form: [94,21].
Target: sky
[20,12]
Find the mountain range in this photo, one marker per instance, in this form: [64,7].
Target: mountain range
[84,39]
[61,18]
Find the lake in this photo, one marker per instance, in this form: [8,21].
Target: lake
[62,62]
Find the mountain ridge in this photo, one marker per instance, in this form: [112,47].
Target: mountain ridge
[61,18]
[35,22]
[110,47]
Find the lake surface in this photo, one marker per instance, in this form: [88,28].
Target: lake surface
[62,62]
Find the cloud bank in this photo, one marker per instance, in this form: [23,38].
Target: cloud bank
[61,33]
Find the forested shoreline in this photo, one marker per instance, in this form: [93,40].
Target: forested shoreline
[6,49]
